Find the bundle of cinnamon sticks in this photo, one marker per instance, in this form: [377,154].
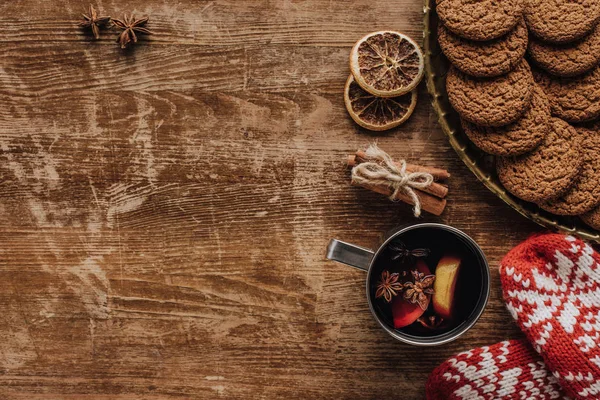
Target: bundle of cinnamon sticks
[432,198]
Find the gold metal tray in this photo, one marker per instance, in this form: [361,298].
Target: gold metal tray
[480,163]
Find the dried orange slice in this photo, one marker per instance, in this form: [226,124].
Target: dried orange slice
[377,113]
[387,63]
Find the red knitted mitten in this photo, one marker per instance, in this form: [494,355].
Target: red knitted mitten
[551,285]
[507,370]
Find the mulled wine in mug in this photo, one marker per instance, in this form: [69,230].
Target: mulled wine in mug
[427,284]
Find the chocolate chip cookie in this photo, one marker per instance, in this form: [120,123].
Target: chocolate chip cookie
[485,59]
[517,138]
[547,172]
[575,99]
[481,19]
[491,101]
[561,21]
[568,59]
[585,193]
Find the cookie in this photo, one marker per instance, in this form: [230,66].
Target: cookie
[568,59]
[592,218]
[591,128]
[575,99]
[481,19]
[485,59]
[547,172]
[585,193]
[561,21]
[517,138]
[491,101]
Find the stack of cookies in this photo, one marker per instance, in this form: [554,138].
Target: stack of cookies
[540,121]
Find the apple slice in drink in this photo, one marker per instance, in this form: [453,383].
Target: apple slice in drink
[404,312]
[444,287]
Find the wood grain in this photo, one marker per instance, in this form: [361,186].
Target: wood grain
[164,212]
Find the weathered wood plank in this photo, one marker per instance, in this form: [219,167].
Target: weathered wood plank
[164,212]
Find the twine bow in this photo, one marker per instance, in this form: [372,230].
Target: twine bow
[381,170]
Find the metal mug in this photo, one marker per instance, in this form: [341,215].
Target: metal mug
[364,259]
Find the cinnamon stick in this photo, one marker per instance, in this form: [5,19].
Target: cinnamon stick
[429,203]
[435,189]
[437,173]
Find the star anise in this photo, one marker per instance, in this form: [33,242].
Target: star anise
[388,286]
[417,292]
[130,26]
[431,322]
[402,252]
[93,21]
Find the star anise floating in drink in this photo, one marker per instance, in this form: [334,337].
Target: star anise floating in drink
[130,26]
[431,322]
[388,286]
[401,252]
[94,22]
[417,292]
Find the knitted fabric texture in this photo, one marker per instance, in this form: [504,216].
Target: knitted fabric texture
[507,370]
[551,285]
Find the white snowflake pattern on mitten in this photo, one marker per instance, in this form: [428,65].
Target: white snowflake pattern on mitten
[509,370]
[551,285]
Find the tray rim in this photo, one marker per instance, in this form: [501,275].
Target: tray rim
[518,205]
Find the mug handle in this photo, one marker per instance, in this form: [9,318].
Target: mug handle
[349,254]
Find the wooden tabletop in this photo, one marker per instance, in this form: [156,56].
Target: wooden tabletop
[164,211]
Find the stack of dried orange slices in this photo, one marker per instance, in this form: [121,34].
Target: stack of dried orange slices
[381,92]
